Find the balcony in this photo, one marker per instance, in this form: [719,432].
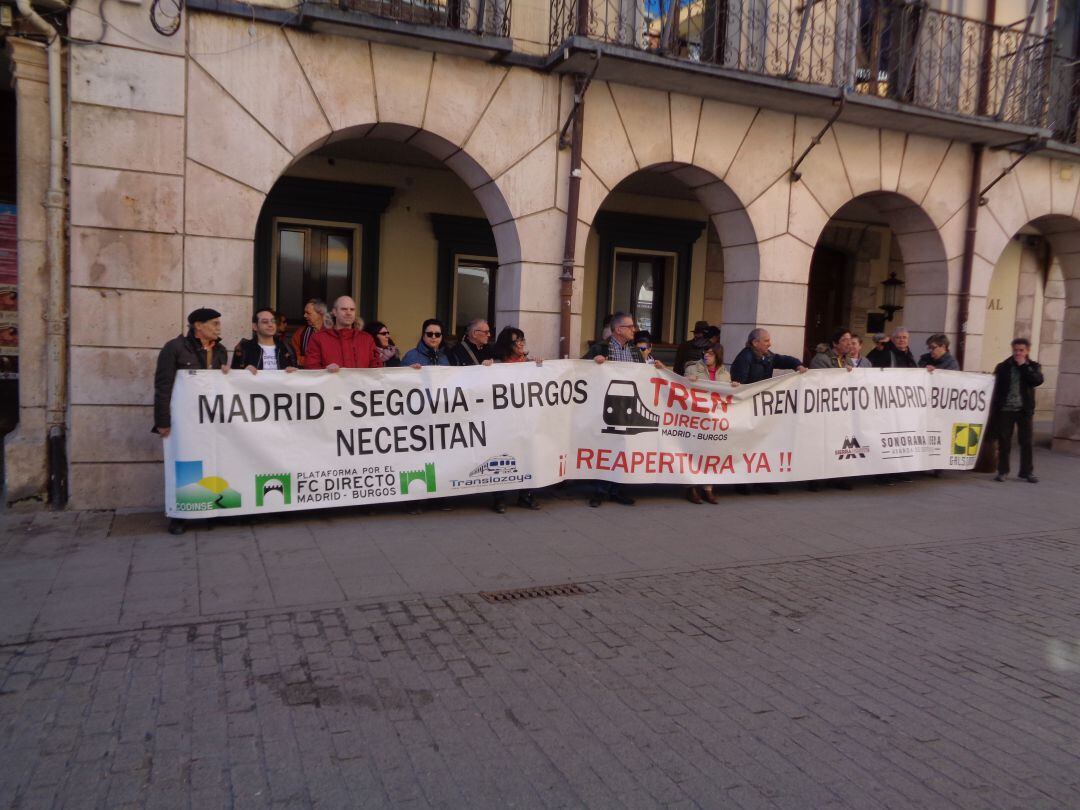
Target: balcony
[891,55]
[481,17]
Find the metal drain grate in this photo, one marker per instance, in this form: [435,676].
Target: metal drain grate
[515,594]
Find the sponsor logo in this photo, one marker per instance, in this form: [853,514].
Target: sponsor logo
[625,413]
[273,489]
[196,492]
[852,448]
[426,476]
[965,439]
[910,443]
[500,469]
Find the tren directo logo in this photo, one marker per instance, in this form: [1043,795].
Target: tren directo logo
[198,493]
[625,412]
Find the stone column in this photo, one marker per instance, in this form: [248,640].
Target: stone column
[25,464]
[1049,349]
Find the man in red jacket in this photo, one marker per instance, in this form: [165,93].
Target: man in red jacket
[344,346]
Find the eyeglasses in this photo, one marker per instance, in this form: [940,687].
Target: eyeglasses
[383,333]
[624,326]
[519,340]
[432,334]
[482,331]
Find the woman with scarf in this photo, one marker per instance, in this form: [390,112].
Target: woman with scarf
[384,344]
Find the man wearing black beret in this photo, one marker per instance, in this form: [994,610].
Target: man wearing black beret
[199,348]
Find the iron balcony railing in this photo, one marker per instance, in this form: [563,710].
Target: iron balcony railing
[485,17]
[896,49]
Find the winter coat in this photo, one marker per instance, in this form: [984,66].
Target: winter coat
[248,352]
[424,355]
[695,370]
[1031,377]
[946,362]
[348,348]
[181,353]
[468,354]
[891,357]
[747,367]
[828,359]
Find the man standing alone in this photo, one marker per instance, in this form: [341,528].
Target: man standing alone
[1013,404]
[346,345]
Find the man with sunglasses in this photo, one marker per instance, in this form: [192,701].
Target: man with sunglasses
[474,348]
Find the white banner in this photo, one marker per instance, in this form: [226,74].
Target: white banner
[244,444]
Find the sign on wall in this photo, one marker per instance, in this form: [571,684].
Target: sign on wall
[245,444]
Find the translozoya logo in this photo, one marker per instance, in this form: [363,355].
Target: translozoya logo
[625,412]
[427,475]
[198,493]
[500,469]
[273,489]
[852,449]
[965,438]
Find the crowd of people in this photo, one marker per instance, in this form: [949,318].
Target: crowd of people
[335,338]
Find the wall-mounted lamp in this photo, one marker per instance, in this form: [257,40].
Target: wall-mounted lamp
[890,296]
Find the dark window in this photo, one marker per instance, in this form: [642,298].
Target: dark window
[313,261]
[638,288]
[474,291]
[467,272]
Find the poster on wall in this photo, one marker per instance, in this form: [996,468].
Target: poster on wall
[9,294]
[245,444]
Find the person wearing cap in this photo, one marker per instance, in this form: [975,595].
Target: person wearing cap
[691,349]
[199,348]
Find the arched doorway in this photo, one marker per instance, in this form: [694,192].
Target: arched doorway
[873,239]
[657,248]
[378,215]
[1034,292]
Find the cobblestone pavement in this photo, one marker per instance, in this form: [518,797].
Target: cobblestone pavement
[940,675]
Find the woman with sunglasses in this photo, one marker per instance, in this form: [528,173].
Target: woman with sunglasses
[429,351]
[384,344]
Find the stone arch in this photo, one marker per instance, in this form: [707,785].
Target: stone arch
[286,93]
[927,294]
[1062,232]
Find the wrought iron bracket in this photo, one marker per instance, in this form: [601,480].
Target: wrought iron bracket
[1031,146]
[579,96]
[794,172]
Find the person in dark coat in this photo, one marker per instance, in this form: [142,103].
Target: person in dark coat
[267,350]
[937,356]
[894,352]
[756,362]
[200,348]
[474,348]
[691,350]
[1013,405]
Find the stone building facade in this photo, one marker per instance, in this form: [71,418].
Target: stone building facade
[259,153]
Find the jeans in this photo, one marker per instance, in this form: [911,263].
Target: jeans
[1022,421]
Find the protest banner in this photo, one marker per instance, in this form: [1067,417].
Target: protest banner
[245,444]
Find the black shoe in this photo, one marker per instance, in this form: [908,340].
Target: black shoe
[812,486]
[527,501]
[843,484]
[499,507]
[177,526]
[742,489]
[769,489]
[999,477]
[415,510]
[1031,479]
[595,501]
[623,498]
